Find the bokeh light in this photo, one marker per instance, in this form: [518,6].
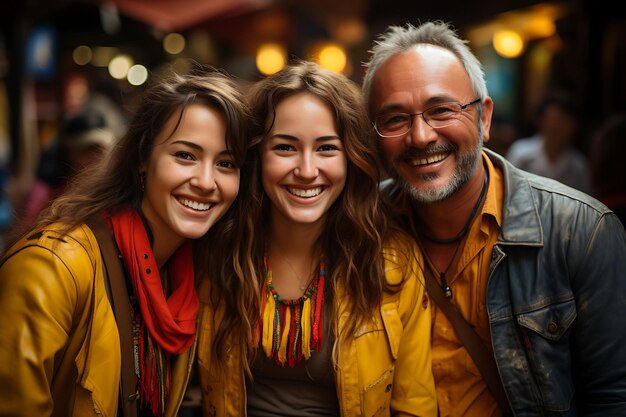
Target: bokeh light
[119,66]
[82,55]
[270,58]
[174,43]
[332,57]
[137,74]
[508,43]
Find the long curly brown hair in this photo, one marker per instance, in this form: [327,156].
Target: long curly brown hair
[114,184]
[356,227]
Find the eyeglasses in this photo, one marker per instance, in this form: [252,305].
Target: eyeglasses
[392,125]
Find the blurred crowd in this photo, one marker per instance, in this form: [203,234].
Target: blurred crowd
[565,148]
[87,128]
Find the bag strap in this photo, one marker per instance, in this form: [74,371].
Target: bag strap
[483,359]
[122,310]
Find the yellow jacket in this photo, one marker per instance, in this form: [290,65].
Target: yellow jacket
[384,370]
[59,343]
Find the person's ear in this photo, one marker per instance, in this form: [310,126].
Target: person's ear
[485,118]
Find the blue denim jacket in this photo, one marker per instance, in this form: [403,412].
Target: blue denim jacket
[556,298]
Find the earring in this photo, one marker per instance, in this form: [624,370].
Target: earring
[142,181]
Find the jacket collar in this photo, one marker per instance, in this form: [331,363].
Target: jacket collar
[520,219]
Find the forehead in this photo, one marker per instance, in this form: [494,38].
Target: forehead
[421,75]
[302,108]
[303,99]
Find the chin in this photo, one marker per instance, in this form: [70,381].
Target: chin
[194,231]
[306,218]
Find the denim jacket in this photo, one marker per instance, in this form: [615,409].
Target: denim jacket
[556,299]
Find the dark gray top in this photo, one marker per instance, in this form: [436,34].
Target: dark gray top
[306,390]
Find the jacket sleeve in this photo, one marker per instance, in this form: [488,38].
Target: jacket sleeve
[599,337]
[37,301]
[413,392]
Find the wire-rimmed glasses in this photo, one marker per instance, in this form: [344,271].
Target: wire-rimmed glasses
[392,125]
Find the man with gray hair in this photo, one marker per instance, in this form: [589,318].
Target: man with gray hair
[536,268]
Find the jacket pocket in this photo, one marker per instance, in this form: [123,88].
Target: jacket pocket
[545,334]
[377,348]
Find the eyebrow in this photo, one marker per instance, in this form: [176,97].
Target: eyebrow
[390,107]
[293,138]
[198,147]
[187,143]
[433,101]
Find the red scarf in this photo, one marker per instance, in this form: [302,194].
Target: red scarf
[171,322]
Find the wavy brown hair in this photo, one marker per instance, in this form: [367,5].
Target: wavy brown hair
[114,184]
[356,227]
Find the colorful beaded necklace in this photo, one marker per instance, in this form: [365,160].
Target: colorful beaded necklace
[291,329]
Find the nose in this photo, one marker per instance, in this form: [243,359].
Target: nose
[306,168]
[421,133]
[204,178]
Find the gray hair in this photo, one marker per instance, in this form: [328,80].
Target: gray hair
[398,39]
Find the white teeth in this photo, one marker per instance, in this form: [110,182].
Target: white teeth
[195,205]
[310,192]
[428,160]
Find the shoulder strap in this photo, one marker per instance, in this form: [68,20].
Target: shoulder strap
[483,359]
[122,310]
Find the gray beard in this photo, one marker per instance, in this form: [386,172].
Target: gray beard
[466,167]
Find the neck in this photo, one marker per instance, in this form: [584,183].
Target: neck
[294,255]
[164,242]
[163,247]
[163,251]
[294,239]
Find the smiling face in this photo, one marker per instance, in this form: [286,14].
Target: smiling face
[191,179]
[432,163]
[304,165]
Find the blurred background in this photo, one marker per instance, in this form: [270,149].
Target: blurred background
[72,70]
[59,57]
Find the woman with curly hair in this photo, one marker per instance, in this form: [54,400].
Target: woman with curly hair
[166,185]
[341,325]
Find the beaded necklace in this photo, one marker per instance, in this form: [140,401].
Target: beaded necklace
[291,329]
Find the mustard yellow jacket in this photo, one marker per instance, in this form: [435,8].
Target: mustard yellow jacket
[59,343]
[383,370]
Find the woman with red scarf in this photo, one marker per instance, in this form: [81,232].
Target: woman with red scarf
[168,183]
